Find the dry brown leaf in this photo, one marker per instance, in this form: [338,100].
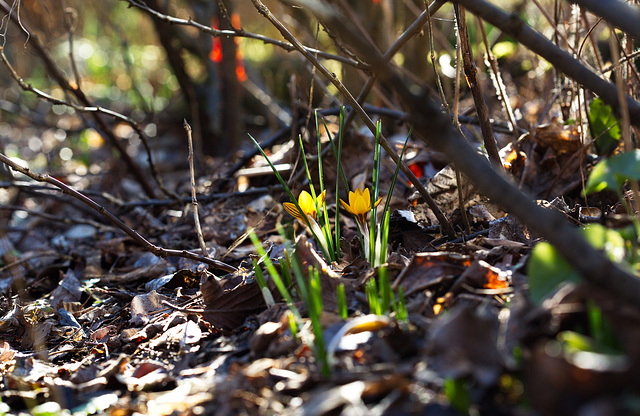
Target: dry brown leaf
[563,139]
[230,301]
[428,269]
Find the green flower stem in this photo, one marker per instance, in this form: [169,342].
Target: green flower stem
[327,247]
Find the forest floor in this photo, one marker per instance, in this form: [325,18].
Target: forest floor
[92,323]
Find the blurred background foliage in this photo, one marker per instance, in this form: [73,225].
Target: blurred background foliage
[158,73]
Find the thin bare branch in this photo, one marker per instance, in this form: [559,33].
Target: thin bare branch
[242,34]
[410,32]
[194,199]
[498,83]
[56,73]
[471,72]
[91,109]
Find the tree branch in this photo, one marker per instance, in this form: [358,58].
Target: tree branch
[622,15]
[241,34]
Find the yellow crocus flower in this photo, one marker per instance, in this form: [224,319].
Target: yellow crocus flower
[359,204]
[307,205]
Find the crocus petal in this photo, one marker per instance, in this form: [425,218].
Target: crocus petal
[352,197]
[366,195]
[318,234]
[377,202]
[306,203]
[293,210]
[347,207]
[362,206]
[321,197]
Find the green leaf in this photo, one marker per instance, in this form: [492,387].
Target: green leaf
[613,172]
[605,126]
[547,269]
[504,49]
[606,239]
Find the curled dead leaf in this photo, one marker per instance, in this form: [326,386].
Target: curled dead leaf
[229,301]
[6,352]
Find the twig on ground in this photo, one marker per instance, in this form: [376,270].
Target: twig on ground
[158,251]
[463,239]
[263,10]
[194,199]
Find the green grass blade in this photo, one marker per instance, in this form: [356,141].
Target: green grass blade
[339,171]
[274,274]
[324,249]
[402,306]
[319,150]
[374,196]
[295,265]
[337,152]
[314,304]
[293,325]
[342,302]
[384,226]
[275,171]
[262,283]
[306,168]
[396,172]
[286,272]
[326,226]
[384,289]
[315,290]
[371,289]
[384,236]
